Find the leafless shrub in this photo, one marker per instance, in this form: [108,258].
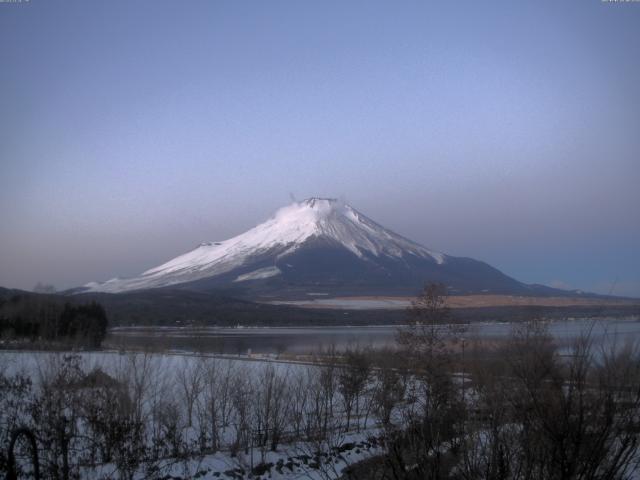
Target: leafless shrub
[352,378]
[270,408]
[241,396]
[189,378]
[554,416]
[216,400]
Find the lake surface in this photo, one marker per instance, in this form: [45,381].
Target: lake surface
[305,340]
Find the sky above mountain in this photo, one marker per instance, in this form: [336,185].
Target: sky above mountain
[505,131]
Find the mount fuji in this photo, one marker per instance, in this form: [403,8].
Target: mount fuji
[319,246]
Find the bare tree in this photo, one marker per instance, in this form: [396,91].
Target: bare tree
[271,407]
[387,393]
[428,424]
[352,378]
[189,376]
[241,396]
[299,391]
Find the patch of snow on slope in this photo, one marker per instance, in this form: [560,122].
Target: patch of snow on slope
[259,274]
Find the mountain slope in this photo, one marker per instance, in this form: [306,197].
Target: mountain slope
[320,246]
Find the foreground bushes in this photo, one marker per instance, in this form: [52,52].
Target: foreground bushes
[136,411]
[519,409]
[515,411]
[446,407]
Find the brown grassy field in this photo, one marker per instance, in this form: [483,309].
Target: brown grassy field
[512,300]
[464,301]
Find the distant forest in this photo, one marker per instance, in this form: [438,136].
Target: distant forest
[50,320]
[57,317]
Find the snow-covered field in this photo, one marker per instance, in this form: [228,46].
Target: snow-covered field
[186,416]
[349,303]
[298,461]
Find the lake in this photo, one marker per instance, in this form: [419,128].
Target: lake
[306,340]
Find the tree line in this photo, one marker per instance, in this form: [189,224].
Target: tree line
[46,319]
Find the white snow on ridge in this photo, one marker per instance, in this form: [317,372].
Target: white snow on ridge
[282,234]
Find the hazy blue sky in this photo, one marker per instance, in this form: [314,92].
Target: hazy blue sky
[130,131]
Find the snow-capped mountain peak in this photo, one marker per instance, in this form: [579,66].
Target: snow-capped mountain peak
[293,226]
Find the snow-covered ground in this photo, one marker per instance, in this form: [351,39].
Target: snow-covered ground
[202,416]
[193,416]
[349,303]
[321,461]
